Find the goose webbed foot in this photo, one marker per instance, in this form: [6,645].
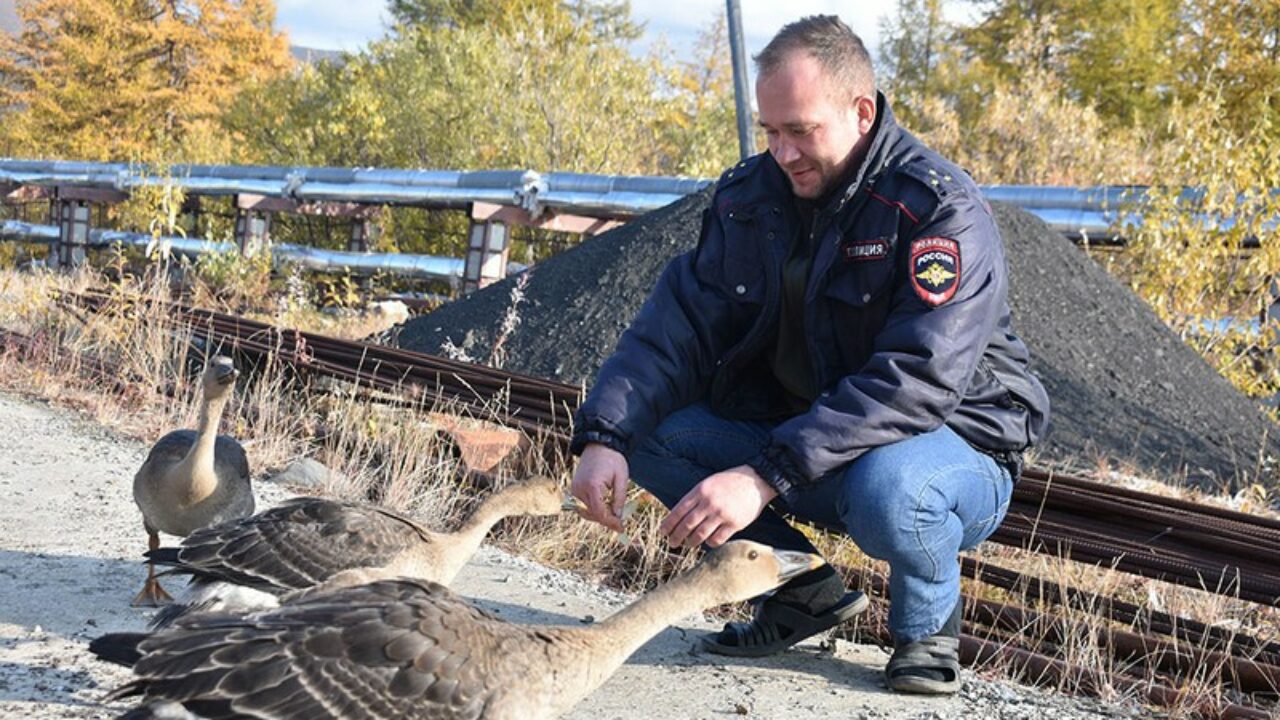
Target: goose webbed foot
[152,595]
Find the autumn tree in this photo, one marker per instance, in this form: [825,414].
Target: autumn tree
[912,44]
[697,125]
[550,92]
[555,91]
[1115,57]
[1205,255]
[131,79]
[1233,49]
[603,18]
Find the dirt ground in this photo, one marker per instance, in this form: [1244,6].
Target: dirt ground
[70,540]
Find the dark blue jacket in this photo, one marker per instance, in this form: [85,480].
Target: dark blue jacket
[906,317]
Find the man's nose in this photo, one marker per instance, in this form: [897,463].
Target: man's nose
[785,152]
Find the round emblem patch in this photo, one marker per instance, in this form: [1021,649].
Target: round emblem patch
[935,269]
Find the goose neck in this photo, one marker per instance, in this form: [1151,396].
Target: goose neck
[627,630]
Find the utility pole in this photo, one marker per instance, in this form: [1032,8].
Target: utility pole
[741,92]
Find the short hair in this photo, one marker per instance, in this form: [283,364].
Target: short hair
[829,41]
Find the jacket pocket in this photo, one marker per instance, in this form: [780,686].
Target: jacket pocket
[729,257]
[861,282]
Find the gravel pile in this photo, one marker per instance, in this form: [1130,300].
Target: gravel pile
[1126,391]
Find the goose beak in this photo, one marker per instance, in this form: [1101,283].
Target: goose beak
[569,503]
[794,563]
[226,374]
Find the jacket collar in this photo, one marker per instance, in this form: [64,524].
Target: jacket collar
[885,135]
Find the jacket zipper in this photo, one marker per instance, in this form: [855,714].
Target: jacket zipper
[770,311]
[814,275]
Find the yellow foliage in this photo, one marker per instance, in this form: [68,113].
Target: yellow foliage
[1029,132]
[129,79]
[1206,249]
[155,208]
[697,126]
[232,280]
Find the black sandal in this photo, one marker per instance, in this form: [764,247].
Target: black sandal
[930,666]
[926,667]
[777,626]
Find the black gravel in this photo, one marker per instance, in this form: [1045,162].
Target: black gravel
[576,303]
[1126,392]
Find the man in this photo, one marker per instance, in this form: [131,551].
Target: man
[837,348]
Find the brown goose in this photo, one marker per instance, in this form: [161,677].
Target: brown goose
[315,545]
[409,649]
[193,478]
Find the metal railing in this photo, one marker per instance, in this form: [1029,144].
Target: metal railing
[1092,214]
[427,267]
[1092,210]
[610,195]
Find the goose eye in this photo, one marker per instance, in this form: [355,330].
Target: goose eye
[753,555]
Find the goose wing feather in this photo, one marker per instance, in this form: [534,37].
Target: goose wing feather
[296,545]
[168,450]
[229,459]
[388,650]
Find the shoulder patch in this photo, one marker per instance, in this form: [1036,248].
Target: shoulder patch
[935,269]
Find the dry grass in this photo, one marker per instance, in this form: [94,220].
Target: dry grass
[403,457]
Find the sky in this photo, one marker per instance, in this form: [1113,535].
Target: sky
[349,24]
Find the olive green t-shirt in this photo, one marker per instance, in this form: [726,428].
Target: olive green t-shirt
[790,362]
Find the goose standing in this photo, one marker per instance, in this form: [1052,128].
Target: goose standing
[411,649]
[312,544]
[193,478]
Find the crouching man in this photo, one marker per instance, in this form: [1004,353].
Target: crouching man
[837,349]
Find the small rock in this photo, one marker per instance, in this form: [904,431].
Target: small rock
[305,473]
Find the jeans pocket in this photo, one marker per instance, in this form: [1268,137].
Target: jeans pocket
[984,528]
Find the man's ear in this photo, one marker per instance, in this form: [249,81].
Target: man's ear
[864,106]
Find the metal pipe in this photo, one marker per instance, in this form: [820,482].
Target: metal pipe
[28,232]
[181,245]
[430,267]
[1110,197]
[405,265]
[389,194]
[1099,214]
[741,90]
[204,185]
[642,184]
[613,204]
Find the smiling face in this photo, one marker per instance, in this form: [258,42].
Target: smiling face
[814,131]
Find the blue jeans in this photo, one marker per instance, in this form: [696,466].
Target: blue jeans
[915,504]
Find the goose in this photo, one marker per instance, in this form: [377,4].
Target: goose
[193,478]
[314,544]
[406,648]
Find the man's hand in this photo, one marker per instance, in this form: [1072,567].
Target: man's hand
[600,481]
[717,507]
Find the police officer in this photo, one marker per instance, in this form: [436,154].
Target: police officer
[838,349]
